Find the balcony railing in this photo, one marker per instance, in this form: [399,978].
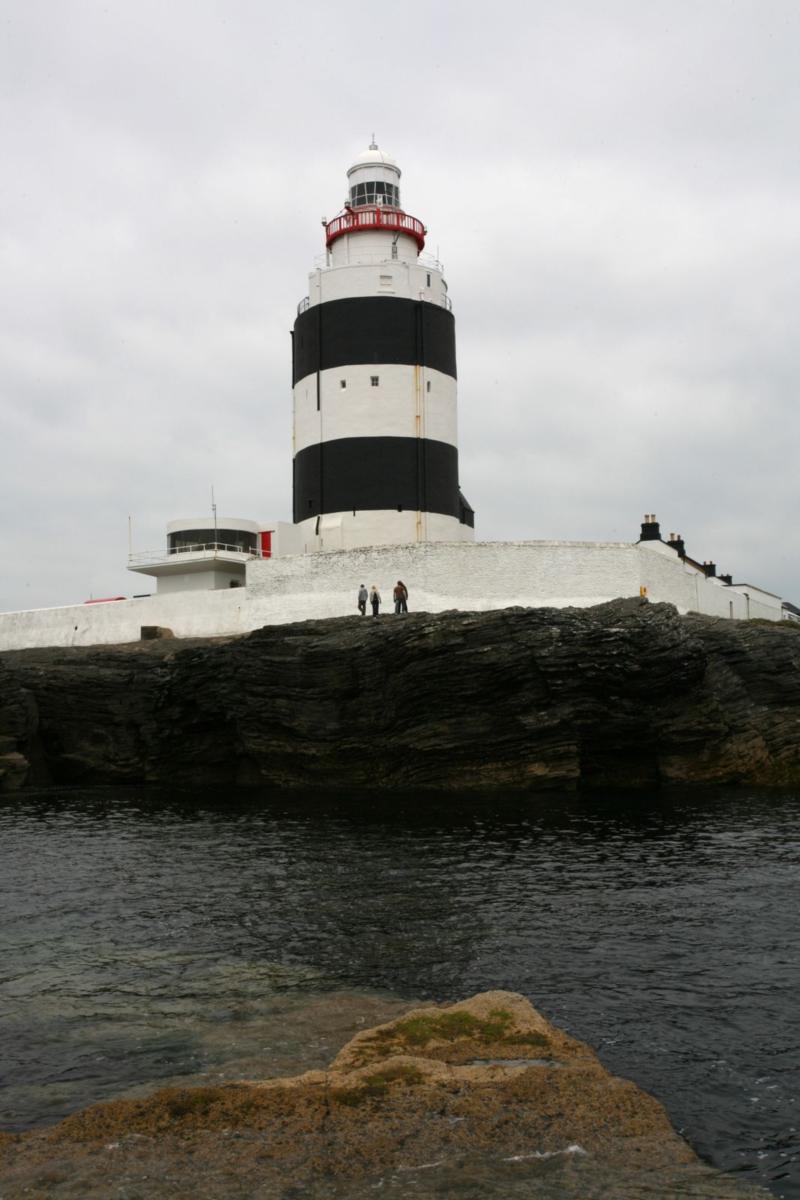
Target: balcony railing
[357,220]
[143,557]
[444,300]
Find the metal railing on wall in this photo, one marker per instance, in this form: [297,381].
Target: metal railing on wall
[149,556]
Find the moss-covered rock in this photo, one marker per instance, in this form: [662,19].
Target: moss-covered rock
[461,1091]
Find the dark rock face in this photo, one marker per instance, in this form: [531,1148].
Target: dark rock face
[624,694]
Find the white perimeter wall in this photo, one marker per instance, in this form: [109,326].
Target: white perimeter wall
[439,576]
[188,614]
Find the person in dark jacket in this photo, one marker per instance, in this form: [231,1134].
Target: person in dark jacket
[400,596]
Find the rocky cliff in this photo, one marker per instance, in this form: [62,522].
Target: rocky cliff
[623,694]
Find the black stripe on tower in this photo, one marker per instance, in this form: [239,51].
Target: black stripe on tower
[378,473]
[373,329]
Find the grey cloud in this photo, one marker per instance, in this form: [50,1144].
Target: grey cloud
[613,189]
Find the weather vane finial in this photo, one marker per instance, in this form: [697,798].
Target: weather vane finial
[373,144]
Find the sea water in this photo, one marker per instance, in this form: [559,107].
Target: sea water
[150,937]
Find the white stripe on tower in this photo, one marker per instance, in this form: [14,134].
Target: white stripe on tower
[374,374]
[363,408]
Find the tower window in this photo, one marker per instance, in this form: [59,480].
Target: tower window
[429,279]
[374,380]
[342,383]
[375,192]
[428,386]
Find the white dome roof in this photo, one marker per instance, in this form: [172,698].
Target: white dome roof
[373,156]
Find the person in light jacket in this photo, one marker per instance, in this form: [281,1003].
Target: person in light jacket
[362,599]
[374,599]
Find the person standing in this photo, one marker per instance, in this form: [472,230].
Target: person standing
[374,599]
[362,599]
[400,597]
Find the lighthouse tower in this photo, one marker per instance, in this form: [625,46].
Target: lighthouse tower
[374,380]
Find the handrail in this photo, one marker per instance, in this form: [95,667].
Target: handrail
[150,556]
[356,220]
[303,305]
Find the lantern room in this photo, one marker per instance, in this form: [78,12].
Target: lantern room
[374,178]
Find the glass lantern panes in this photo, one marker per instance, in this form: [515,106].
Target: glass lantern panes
[375,192]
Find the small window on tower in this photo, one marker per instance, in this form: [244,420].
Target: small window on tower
[428,386]
[342,383]
[374,380]
[429,279]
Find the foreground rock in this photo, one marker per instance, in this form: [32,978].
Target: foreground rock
[624,694]
[486,1098]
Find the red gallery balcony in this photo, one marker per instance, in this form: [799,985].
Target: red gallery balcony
[357,220]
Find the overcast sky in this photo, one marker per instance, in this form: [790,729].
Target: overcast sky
[613,187]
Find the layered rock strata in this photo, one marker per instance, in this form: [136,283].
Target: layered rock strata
[623,694]
[485,1097]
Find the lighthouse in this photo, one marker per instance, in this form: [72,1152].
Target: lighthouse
[374,380]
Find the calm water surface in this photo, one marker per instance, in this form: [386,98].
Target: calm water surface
[152,937]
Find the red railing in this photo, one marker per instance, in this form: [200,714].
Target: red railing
[355,220]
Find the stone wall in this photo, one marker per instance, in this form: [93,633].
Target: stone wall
[440,576]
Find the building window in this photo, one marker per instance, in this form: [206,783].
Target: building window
[196,539]
[342,383]
[374,380]
[429,279]
[428,386]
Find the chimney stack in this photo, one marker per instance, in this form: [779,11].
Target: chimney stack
[651,530]
[676,541]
